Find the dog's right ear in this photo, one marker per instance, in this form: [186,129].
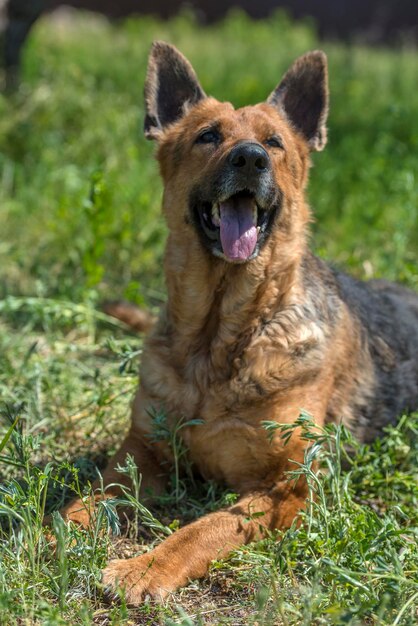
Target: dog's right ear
[171,83]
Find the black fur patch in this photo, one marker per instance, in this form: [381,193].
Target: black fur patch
[387,318]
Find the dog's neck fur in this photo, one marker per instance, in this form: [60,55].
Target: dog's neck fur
[215,307]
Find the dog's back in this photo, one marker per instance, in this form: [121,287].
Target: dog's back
[388,317]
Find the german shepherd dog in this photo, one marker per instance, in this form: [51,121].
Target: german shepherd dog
[255,327]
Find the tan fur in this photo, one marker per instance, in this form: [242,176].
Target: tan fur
[129,314]
[233,347]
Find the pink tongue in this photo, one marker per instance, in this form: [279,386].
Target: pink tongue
[238,230]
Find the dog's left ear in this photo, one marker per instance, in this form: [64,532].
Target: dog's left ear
[171,83]
[302,96]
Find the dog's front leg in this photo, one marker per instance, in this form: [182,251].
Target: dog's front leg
[153,479]
[187,553]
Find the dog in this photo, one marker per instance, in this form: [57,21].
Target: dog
[256,328]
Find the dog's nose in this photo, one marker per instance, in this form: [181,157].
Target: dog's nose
[249,158]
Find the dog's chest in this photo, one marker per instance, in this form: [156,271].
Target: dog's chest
[232,449]
[215,402]
[219,427]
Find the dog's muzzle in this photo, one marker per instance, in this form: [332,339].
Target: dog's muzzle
[234,214]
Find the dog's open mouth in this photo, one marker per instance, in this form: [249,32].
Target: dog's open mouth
[233,226]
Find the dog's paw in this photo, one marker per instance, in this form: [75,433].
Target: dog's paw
[141,578]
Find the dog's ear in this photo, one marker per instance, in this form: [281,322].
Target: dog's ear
[171,83]
[302,96]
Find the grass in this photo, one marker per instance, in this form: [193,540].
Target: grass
[80,223]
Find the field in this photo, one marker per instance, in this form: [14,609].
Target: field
[80,223]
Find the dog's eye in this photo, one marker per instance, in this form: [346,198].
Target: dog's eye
[275,142]
[208,136]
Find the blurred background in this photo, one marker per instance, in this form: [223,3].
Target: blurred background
[80,192]
[373,21]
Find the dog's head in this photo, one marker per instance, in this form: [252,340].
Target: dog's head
[234,177]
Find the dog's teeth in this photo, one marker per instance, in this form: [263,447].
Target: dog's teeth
[258,229]
[216,218]
[255,215]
